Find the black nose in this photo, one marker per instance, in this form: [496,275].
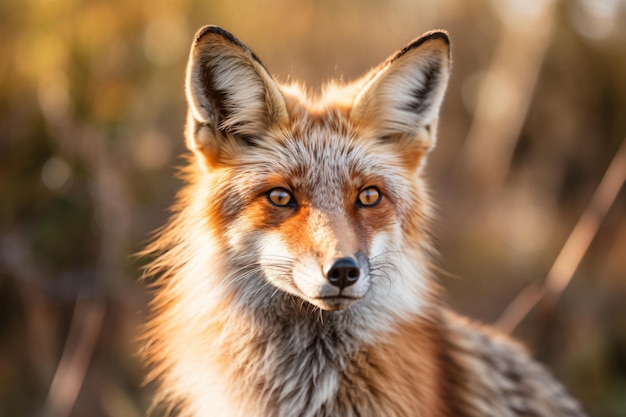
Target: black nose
[343,273]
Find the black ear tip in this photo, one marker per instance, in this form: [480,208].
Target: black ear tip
[205,30]
[215,30]
[431,36]
[436,34]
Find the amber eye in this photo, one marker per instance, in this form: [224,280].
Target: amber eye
[369,197]
[280,197]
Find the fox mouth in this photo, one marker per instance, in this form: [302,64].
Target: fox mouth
[335,302]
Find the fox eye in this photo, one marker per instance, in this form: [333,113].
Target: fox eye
[369,197]
[280,197]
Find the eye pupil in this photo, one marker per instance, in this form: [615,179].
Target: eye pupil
[279,197]
[369,196]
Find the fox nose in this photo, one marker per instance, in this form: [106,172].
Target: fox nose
[343,273]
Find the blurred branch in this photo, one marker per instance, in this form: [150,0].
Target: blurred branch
[574,249]
[504,94]
[113,215]
[68,379]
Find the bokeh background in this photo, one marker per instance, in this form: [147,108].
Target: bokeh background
[91,115]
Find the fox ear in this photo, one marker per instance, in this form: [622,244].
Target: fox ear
[229,91]
[402,97]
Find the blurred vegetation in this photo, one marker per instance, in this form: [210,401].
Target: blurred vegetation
[91,115]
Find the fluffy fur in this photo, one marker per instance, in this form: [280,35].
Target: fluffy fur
[246,321]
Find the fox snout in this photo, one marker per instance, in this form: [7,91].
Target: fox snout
[329,265]
[334,287]
[332,266]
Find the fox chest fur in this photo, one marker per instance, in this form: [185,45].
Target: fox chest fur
[294,276]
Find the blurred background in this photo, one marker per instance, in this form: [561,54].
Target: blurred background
[91,116]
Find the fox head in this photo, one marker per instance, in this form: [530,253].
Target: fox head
[316,200]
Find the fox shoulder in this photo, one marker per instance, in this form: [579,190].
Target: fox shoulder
[495,376]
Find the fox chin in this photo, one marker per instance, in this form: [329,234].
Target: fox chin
[294,276]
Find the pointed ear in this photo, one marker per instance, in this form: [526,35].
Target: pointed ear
[401,98]
[231,95]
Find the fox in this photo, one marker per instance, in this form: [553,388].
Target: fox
[296,274]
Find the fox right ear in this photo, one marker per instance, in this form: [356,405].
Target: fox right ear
[232,97]
[401,98]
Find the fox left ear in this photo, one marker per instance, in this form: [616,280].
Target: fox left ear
[232,98]
[401,98]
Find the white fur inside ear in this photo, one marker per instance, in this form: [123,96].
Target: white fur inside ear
[228,89]
[246,110]
[404,94]
[413,95]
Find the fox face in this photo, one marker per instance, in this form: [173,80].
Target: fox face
[319,225]
[316,200]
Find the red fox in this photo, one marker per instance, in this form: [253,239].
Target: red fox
[294,278]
